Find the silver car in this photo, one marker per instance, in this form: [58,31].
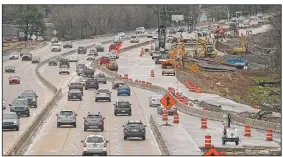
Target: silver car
[171,111]
[94,144]
[94,121]
[11,121]
[73,59]
[14,55]
[101,78]
[66,117]
[155,100]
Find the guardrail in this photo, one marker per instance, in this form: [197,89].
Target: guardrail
[26,136]
[215,116]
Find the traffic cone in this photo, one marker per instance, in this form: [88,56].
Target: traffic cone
[176,118]
[164,114]
[152,73]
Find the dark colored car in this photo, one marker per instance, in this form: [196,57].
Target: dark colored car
[27,57]
[94,121]
[20,106]
[122,107]
[64,61]
[117,84]
[35,60]
[10,69]
[76,85]
[31,96]
[134,129]
[91,83]
[82,50]
[88,72]
[75,94]
[14,79]
[68,45]
[52,62]
[104,60]
[10,121]
[101,78]
[103,94]
[99,47]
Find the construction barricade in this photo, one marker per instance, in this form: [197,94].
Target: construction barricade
[269,135]
[164,114]
[203,123]
[176,117]
[207,141]
[152,73]
[247,130]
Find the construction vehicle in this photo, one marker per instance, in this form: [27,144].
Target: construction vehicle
[244,44]
[208,50]
[230,134]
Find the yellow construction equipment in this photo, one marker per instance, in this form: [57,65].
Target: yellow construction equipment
[208,50]
[167,62]
[244,44]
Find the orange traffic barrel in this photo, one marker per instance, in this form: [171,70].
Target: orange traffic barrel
[247,130]
[203,123]
[164,114]
[268,135]
[152,73]
[185,101]
[192,88]
[126,76]
[204,108]
[178,94]
[198,89]
[176,118]
[207,141]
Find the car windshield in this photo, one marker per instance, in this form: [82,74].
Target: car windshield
[81,47]
[157,96]
[75,91]
[14,77]
[139,125]
[123,104]
[27,95]
[133,36]
[10,116]
[124,87]
[66,113]
[94,139]
[19,101]
[92,80]
[96,116]
[75,84]
[102,91]
[98,44]
[9,67]
[101,75]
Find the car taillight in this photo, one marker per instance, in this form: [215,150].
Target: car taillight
[86,121]
[153,99]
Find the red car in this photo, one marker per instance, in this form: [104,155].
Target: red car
[104,60]
[14,79]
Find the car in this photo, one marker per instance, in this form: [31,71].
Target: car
[20,106]
[27,57]
[103,94]
[24,52]
[4,104]
[64,70]
[90,56]
[168,72]
[155,36]
[67,117]
[104,60]
[88,72]
[10,69]
[10,121]
[150,35]
[94,121]
[124,90]
[94,145]
[101,78]
[93,52]
[14,55]
[170,111]
[91,83]
[113,54]
[99,47]
[80,68]
[14,80]
[31,96]
[75,94]
[122,107]
[68,45]
[56,47]
[134,128]
[117,84]
[83,80]
[59,58]
[117,39]
[54,40]
[134,39]
[140,30]
[82,49]
[52,62]
[154,101]
[76,85]
[122,34]
[35,60]
[64,63]
[73,59]
[156,55]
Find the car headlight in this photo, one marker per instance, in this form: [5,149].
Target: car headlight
[15,122]
[33,99]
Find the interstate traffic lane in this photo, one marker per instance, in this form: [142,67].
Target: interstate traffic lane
[68,139]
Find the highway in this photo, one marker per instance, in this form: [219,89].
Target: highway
[69,138]
[29,81]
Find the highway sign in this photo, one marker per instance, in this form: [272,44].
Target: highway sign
[21,34]
[54,32]
[33,37]
[168,101]
[195,68]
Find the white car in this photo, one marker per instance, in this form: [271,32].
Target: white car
[117,39]
[56,47]
[90,56]
[113,55]
[64,71]
[14,55]
[94,144]
[73,59]
[122,34]
[140,30]
[134,39]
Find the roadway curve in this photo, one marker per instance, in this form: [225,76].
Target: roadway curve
[68,139]
[29,81]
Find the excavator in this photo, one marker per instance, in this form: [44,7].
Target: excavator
[170,61]
[208,50]
[244,44]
